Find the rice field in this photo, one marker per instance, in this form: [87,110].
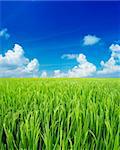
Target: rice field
[60,114]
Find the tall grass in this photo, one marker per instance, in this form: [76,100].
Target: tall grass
[60,114]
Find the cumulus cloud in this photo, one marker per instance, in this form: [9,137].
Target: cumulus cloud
[112,66]
[83,69]
[4,33]
[33,66]
[69,56]
[44,74]
[59,74]
[15,64]
[115,48]
[90,40]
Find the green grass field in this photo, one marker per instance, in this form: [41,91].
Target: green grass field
[60,114]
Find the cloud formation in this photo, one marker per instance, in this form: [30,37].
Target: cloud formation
[90,40]
[4,33]
[59,74]
[69,56]
[83,69]
[112,66]
[15,64]
[115,48]
[44,74]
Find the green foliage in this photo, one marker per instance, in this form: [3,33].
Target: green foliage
[60,114]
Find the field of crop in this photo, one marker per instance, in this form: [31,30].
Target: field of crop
[60,114]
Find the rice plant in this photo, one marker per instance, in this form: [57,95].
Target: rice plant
[60,114]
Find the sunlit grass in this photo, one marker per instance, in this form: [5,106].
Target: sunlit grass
[60,114]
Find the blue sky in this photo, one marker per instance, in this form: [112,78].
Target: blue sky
[47,31]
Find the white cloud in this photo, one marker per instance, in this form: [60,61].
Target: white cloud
[81,58]
[69,56]
[115,48]
[44,74]
[59,74]
[15,64]
[83,69]
[112,66]
[90,40]
[13,57]
[4,34]
[33,66]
